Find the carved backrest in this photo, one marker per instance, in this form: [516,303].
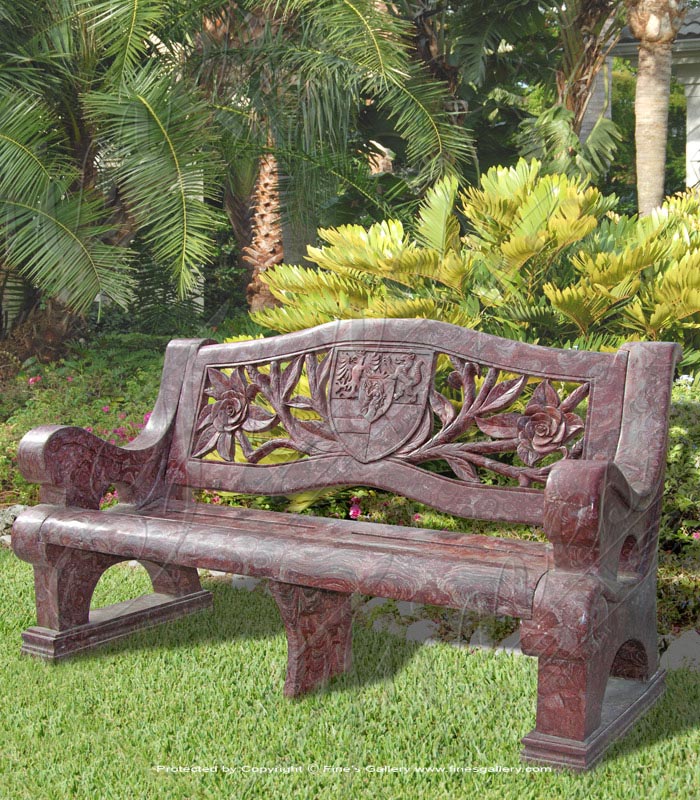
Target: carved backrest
[463,421]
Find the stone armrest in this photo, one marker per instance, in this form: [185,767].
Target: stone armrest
[74,467]
[597,522]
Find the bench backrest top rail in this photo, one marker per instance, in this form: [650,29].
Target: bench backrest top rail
[370,402]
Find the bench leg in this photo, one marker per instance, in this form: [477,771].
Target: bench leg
[594,680]
[318,624]
[64,582]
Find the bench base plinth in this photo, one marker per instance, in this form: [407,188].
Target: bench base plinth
[112,622]
[625,702]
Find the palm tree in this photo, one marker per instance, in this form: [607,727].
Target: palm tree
[655,23]
[588,30]
[117,124]
[293,81]
[100,142]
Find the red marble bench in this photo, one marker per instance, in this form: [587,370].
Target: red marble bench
[473,425]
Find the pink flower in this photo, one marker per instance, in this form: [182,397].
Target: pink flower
[70,379]
[89,429]
[105,409]
[122,415]
[34,380]
[146,417]
[355,511]
[695,534]
[417,517]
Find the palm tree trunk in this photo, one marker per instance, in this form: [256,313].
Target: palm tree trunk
[655,23]
[651,123]
[266,248]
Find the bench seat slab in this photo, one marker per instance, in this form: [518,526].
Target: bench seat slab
[462,571]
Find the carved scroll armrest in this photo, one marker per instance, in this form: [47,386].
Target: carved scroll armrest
[75,467]
[596,521]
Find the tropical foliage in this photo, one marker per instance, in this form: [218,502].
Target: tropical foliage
[543,258]
[99,139]
[122,122]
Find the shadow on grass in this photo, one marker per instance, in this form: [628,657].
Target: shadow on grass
[675,712]
[242,614]
[377,657]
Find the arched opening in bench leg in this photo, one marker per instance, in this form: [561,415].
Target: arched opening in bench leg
[65,581]
[318,624]
[631,661]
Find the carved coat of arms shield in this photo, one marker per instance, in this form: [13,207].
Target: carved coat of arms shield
[378,399]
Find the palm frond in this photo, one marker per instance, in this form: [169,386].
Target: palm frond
[51,234]
[57,244]
[551,138]
[31,159]
[122,28]
[160,146]
[13,294]
[376,48]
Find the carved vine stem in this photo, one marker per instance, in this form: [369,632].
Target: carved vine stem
[369,387]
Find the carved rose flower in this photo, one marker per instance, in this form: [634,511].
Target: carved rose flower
[231,413]
[544,427]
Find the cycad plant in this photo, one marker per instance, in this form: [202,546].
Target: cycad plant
[543,258]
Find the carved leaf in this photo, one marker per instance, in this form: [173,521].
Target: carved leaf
[275,379]
[528,456]
[454,380]
[544,395]
[463,470]
[324,372]
[291,375]
[502,426]
[503,395]
[259,420]
[258,378]
[299,401]
[442,407]
[205,443]
[574,425]
[204,417]
[570,402]
[226,446]
[218,380]
[486,387]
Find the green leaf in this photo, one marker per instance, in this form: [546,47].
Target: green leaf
[438,228]
[122,28]
[160,156]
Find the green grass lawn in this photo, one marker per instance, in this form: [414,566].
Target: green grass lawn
[206,692]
